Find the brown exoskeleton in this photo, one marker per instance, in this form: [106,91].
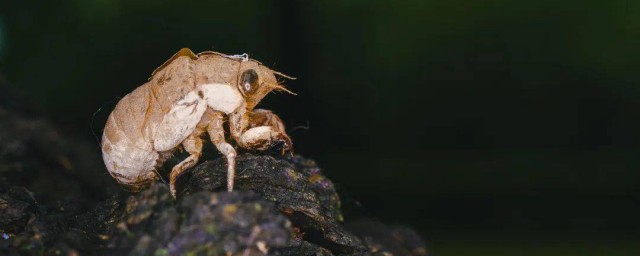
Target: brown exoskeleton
[184,98]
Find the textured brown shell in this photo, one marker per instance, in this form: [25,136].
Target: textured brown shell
[135,118]
[137,114]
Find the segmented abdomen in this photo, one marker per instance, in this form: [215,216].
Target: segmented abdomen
[127,144]
[129,135]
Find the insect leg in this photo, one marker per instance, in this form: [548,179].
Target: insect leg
[265,130]
[193,145]
[259,137]
[239,122]
[216,134]
[263,117]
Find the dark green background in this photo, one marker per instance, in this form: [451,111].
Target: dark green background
[492,127]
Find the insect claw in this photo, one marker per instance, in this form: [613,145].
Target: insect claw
[286,151]
[281,144]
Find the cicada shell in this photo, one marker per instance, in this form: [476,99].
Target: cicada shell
[187,98]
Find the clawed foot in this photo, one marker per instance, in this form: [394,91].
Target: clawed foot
[282,143]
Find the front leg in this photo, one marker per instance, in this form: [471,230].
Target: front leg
[260,129]
[263,117]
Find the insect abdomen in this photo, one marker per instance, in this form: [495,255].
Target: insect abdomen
[127,147]
[130,165]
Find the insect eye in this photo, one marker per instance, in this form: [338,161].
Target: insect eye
[248,81]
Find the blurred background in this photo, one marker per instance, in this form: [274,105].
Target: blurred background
[491,127]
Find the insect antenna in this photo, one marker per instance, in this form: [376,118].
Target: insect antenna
[278,87]
[283,75]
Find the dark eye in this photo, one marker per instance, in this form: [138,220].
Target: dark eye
[248,81]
